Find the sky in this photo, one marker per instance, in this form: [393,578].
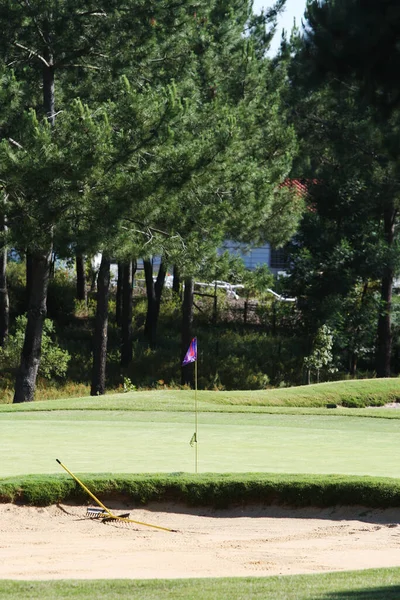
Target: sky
[294,9]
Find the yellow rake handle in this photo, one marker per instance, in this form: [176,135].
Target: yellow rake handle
[111,515]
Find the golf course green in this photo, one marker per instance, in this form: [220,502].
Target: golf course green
[158,441]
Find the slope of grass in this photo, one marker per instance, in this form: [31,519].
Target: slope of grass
[373,584]
[355,393]
[213,490]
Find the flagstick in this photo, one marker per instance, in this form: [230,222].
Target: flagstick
[195,411]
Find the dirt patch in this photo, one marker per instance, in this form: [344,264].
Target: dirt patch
[59,542]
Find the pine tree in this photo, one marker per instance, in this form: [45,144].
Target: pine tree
[186,141]
[352,145]
[56,49]
[43,176]
[10,104]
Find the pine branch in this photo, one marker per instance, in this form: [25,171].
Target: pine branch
[26,4]
[148,227]
[335,127]
[15,143]
[78,65]
[33,53]
[92,13]
[78,53]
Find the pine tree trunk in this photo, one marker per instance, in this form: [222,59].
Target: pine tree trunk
[39,265]
[4,299]
[151,300]
[101,325]
[353,364]
[30,358]
[48,82]
[176,282]
[154,293]
[118,298]
[159,287]
[129,270]
[384,342]
[81,291]
[353,353]
[187,372]
[151,315]
[384,345]
[28,279]
[92,277]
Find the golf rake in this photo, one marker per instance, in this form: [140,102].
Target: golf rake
[103,512]
[93,512]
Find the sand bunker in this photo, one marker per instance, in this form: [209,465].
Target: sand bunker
[59,542]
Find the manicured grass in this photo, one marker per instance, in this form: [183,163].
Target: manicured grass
[146,441]
[274,431]
[354,393]
[374,584]
[212,490]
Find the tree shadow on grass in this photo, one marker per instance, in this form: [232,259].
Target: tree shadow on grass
[378,593]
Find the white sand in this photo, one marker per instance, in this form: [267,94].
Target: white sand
[60,542]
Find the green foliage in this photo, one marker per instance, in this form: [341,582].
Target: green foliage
[128,385]
[16,274]
[235,373]
[338,36]
[321,356]
[87,309]
[231,355]
[354,324]
[169,133]
[347,117]
[61,296]
[257,281]
[54,362]
[16,277]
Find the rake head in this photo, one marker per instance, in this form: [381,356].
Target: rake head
[116,518]
[95,513]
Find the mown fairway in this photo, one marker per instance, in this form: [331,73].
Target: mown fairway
[158,441]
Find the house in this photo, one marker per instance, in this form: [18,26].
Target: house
[276,259]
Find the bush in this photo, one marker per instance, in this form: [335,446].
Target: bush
[61,296]
[54,360]
[16,279]
[235,373]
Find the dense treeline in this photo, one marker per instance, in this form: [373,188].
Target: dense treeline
[346,109]
[139,129]
[241,346]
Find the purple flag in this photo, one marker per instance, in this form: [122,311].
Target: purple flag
[191,354]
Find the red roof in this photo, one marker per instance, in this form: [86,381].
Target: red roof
[301,186]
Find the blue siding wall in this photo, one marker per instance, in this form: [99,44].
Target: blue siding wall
[252,257]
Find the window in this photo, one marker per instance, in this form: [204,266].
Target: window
[279,259]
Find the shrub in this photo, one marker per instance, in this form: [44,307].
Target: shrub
[235,373]
[16,278]
[61,295]
[54,360]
